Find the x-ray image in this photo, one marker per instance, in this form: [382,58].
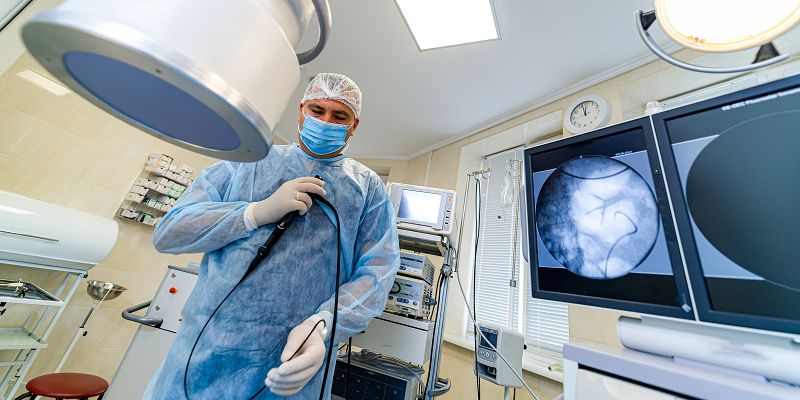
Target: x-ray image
[598,213]
[597,217]
[736,176]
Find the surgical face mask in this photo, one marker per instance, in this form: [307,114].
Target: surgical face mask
[322,137]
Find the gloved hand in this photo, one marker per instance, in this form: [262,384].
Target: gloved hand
[292,375]
[291,196]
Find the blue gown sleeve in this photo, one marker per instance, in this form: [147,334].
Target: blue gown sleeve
[377,258]
[202,220]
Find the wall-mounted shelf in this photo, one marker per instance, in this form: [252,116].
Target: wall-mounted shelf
[156,190]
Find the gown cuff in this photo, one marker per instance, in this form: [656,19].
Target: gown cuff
[249,219]
[328,318]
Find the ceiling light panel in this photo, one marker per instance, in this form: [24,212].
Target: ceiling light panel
[441,23]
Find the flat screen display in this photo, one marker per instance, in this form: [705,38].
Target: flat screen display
[491,335]
[420,206]
[733,165]
[602,229]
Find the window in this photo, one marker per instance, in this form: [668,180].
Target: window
[503,288]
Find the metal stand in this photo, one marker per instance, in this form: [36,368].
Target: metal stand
[98,290]
[438,246]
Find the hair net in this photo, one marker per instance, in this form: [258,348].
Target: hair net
[329,85]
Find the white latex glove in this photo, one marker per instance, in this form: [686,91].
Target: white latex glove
[291,196]
[292,375]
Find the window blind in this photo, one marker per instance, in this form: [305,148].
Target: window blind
[502,281]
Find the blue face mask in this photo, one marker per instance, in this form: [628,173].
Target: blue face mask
[322,137]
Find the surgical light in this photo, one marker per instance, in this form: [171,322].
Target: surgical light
[724,25]
[213,77]
[721,26]
[444,23]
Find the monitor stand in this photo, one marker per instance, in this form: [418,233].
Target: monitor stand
[752,354]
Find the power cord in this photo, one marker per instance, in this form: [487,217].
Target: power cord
[349,365]
[261,254]
[466,302]
[475,278]
[464,296]
[335,295]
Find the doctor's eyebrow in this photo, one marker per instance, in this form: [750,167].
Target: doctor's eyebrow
[339,114]
[342,114]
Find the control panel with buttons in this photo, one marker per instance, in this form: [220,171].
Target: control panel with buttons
[171,296]
[423,209]
[416,265]
[409,296]
[369,383]
[495,339]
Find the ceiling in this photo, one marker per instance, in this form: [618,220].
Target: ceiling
[414,100]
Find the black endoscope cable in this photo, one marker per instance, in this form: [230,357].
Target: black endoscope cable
[262,253]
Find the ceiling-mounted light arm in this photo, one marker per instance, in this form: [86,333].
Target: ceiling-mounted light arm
[644,20]
[323,9]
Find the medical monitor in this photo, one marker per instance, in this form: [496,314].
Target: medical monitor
[733,168]
[423,209]
[600,227]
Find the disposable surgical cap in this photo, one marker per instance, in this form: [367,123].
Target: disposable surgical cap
[332,86]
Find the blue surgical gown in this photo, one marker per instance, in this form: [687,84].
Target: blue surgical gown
[245,338]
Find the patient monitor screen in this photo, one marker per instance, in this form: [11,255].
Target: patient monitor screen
[738,167]
[420,207]
[599,225]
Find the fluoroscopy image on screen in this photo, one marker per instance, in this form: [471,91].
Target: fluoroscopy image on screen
[419,206]
[597,216]
[600,236]
[738,169]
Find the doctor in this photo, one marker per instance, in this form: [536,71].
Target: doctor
[230,210]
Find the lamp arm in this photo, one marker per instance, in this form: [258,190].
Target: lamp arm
[323,9]
[651,44]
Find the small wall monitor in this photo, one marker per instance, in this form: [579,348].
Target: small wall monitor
[600,227]
[733,167]
[423,209]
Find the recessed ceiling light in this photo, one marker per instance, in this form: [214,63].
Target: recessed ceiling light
[43,82]
[440,23]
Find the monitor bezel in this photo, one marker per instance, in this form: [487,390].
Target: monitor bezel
[439,225]
[682,287]
[692,259]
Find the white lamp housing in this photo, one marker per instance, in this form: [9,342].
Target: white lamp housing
[213,77]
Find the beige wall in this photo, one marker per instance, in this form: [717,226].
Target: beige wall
[386,167]
[62,150]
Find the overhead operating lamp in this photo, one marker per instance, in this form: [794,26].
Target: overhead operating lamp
[213,77]
[721,26]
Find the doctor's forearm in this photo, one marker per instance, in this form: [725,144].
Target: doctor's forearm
[360,301]
[201,227]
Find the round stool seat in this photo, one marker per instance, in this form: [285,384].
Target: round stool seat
[67,385]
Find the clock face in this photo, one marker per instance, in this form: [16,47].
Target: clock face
[585,114]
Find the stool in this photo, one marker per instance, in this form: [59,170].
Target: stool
[66,385]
